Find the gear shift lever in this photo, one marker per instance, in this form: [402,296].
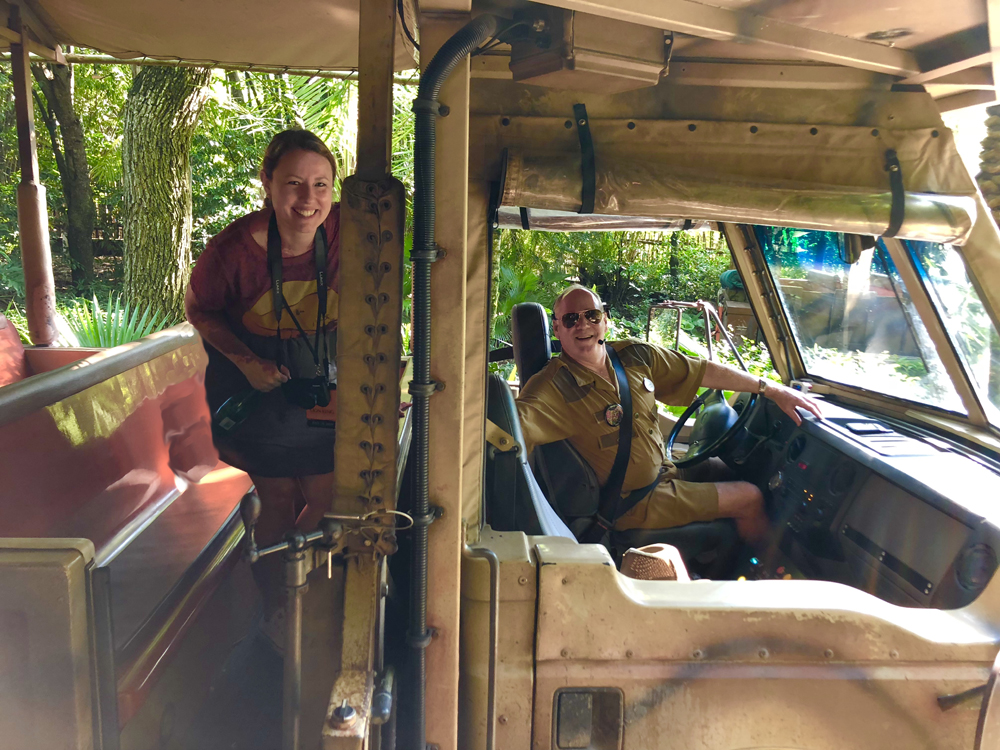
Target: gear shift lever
[250,512]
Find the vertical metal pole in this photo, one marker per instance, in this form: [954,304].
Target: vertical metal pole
[373,210]
[375,69]
[32,213]
[291,708]
[708,333]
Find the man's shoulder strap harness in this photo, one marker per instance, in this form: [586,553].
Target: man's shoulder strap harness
[612,505]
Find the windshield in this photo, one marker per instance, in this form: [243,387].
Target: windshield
[854,323]
[966,320]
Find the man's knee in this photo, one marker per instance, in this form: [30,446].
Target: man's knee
[739,500]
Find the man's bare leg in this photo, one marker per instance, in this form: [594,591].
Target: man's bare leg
[744,503]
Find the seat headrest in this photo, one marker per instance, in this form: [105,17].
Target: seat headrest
[529,326]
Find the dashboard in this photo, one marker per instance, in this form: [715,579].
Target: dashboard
[882,506]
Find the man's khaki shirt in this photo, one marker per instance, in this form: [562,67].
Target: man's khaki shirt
[566,401]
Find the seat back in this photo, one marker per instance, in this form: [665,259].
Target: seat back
[529,328]
[514,501]
[567,480]
[13,365]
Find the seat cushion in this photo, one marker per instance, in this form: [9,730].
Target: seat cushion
[13,365]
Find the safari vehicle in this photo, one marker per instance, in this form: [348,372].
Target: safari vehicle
[812,137]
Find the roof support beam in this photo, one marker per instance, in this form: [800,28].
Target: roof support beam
[32,212]
[993,22]
[27,29]
[953,54]
[775,75]
[693,18]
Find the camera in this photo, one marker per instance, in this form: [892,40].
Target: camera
[307,392]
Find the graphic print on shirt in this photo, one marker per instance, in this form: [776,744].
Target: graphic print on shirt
[304,302]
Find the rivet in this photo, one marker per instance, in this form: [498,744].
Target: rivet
[444,110]
[692,127]
[522,580]
[894,654]
[564,653]
[505,121]
[502,719]
[629,654]
[697,654]
[875,131]
[503,441]
[565,581]
[764,653]
[581,122]
[753,128]
[568,124]
[828,653]
[631,126]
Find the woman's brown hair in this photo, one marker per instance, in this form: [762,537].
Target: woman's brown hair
[294,140]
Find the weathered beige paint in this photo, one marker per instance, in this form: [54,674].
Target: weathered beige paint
[45,645]
[737,664]
[373,209]
[447,407]
[477,344]
[516,637]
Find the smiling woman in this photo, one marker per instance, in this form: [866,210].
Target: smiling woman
[264,296]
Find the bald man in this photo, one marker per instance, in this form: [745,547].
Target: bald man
[575,397]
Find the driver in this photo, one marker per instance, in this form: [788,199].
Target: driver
[575,397]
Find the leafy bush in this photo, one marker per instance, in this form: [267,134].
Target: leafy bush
[118,324]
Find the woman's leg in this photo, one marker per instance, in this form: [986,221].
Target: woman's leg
[317,490]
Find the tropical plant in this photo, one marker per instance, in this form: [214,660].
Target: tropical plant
[118,323]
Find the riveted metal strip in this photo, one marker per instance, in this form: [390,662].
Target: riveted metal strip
[369,343]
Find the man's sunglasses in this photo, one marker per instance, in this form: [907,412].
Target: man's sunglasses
[569,320]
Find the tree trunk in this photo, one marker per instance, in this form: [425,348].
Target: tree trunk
[989,183]
[56,84]
[160,119]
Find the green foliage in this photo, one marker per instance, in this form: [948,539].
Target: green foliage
[629,270]
[119,323]
[11,276]
[19,320]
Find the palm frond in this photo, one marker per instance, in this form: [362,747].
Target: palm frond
[119,323]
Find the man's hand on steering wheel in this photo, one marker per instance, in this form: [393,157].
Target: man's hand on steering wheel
[788,399]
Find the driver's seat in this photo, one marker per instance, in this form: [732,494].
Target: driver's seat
[709,548]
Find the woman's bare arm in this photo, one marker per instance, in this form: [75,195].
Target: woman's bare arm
[263,374]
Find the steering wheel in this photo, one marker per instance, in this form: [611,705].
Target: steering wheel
[714,427]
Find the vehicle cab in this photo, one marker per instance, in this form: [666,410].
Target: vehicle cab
[813,142]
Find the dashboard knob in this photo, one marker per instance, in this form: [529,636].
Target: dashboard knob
[776,482]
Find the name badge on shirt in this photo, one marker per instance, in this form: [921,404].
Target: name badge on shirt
[613,415]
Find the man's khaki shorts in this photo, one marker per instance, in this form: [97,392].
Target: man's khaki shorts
[673,502]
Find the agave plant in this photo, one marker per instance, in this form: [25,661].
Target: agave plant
[119,323]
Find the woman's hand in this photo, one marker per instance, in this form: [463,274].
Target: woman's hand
[263,374]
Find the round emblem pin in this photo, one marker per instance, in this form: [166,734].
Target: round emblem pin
[648,384]
[613,415]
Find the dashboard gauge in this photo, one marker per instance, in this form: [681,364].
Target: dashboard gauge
[975,566]
[795,449]
[842,479]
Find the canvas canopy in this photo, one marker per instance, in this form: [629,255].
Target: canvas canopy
[301,34]
[789,176]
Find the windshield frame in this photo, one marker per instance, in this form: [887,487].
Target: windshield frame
[776,327]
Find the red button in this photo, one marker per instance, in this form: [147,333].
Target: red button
[803,466]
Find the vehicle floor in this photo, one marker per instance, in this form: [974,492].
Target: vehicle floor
[243,708]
